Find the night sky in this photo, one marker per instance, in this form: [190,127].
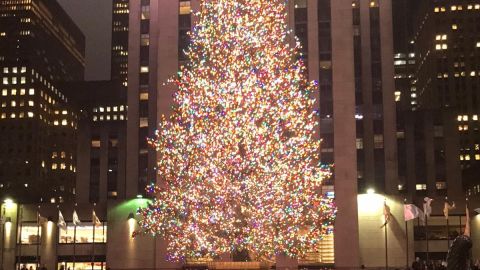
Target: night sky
[94,19]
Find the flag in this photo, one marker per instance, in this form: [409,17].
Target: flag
[41,220]
[386,213]
[411,211]
[427,206]
[95,221]
[76,220]
[61,221]
[447,207]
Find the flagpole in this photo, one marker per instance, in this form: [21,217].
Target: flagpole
[94,225]
[406,231]
[20,236]
[39,239]
[74,239]
[386,242]
[426,237]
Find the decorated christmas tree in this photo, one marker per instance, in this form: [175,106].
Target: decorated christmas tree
[238,162]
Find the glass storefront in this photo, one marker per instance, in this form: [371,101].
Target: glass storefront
[83,234]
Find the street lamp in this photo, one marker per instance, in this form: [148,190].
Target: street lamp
[6,222]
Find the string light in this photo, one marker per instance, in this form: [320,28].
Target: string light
[238,161]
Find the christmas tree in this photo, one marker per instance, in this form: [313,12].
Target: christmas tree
[238,161]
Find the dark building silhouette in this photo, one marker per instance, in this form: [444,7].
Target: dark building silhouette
[39,47]
[101,140]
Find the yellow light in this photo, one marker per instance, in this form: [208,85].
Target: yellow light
[8,203]
[370,191]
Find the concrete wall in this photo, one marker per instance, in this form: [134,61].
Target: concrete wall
[372,238]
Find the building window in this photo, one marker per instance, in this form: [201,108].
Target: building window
[185,7]
[441,185]
[97,265]
[84,234]
[29,234]
[421,187]
[378,141]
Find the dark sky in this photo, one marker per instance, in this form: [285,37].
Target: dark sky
[94,19]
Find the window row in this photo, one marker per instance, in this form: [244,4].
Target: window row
[456,8]
[30,234]
[15,115]
[14,70]
[20,92]
[14,80]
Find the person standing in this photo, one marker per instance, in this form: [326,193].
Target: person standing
[458,257]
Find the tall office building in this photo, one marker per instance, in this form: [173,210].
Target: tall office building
[119,53]
[348,48]
[39,46]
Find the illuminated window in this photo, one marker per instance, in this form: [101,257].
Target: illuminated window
[465,118]
[143,122]
[13,103]
[437,9]
[467,157]
[23,70]
[14,80]
[83,234]
[144,69]
[31,91]
[454,27]
[23,80]
[12,116]
[95,143]
[62,166]
[478,44]
[63,155]
[477,156]
[185,8]
[115,109]
[145,13]
[421,186]
[21,115]
[30,235]
[475,117]
[4,115]
[143,96]
[5,80]
[441,185]
[64,122]
[359,143]
[54,166]
[378,141]
[30,103]
[30,114]
[101,109]
[54,155]
[4,104]
[122,108]
[55,123]
[145,40]
[438,47]
[64,112]
[444,46]
[4,92]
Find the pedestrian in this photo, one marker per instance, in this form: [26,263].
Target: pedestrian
[458,257]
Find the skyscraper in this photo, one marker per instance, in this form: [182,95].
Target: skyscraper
[119,53]
[39,46]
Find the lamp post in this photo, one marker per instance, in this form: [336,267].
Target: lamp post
[4,220]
